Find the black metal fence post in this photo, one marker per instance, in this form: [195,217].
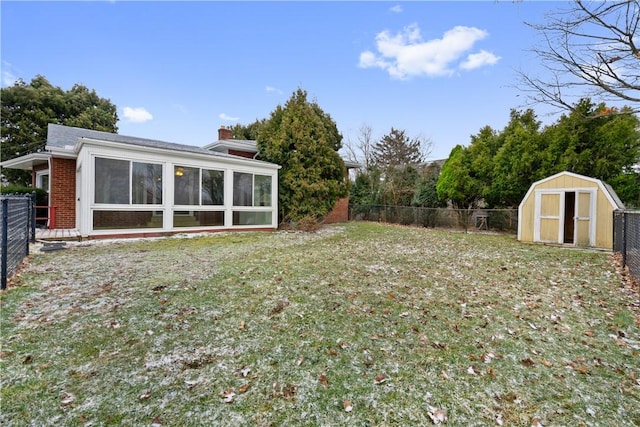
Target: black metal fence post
[624,239]
[33,217]
[4,243]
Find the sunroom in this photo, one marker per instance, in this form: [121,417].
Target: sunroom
[126,185]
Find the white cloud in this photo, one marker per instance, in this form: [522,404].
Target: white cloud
[8,78]
[272,89]
[137,115]
[227,117]
[396,9]
[406,54]
[480,59]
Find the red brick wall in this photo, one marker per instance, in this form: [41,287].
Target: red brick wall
[242,154]
[340,212]
[63,191]
[224,133]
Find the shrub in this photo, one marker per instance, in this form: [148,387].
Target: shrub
[41,195]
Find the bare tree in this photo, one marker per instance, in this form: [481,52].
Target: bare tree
[360,152]
[365,143]
[590,51]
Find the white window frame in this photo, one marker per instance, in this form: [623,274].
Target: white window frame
[39,175]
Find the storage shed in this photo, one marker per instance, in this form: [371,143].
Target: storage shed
[567,208]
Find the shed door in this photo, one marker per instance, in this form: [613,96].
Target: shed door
[583,214]
[548,217]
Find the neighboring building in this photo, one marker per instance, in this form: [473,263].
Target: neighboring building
[105,184]
[567,208]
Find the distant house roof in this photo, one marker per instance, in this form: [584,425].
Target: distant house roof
[251,146]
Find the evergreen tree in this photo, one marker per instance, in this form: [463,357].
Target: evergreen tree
[396,149]
[305,141]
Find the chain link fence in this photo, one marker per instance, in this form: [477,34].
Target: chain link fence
[17,230]
[626,239]
[503,220]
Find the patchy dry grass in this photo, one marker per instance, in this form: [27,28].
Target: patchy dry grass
[361,324]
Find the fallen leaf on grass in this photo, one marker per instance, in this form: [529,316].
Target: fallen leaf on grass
[348,406]
[289,390]
[437,415]
[228,395]
[323,380]
[488,356]
[535,422]
[527,362]
[380,378]
[145,395]
[243,388]
[546,363]
[67,398]
[286,392]
[471,370]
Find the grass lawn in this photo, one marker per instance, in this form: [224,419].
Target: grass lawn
[361,324]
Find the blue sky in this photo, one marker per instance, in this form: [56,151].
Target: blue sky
[178,70]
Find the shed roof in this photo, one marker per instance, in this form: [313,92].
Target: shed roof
[608,191]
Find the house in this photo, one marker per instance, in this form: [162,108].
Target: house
[104,184]
[249,148]
[567,208]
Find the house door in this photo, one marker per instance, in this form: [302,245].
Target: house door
[582,219]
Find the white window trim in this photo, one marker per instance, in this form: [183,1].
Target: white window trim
[39,175]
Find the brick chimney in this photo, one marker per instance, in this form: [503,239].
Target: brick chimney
[224,133]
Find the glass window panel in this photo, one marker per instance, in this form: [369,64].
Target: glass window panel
[187,186]
[108,220]
[147,184]
[42,180]
[198,219]
[251,218]
[242,189]
[112,181]
[212,187]
[262,190]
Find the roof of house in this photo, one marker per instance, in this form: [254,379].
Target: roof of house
[65,137]
[247,145]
